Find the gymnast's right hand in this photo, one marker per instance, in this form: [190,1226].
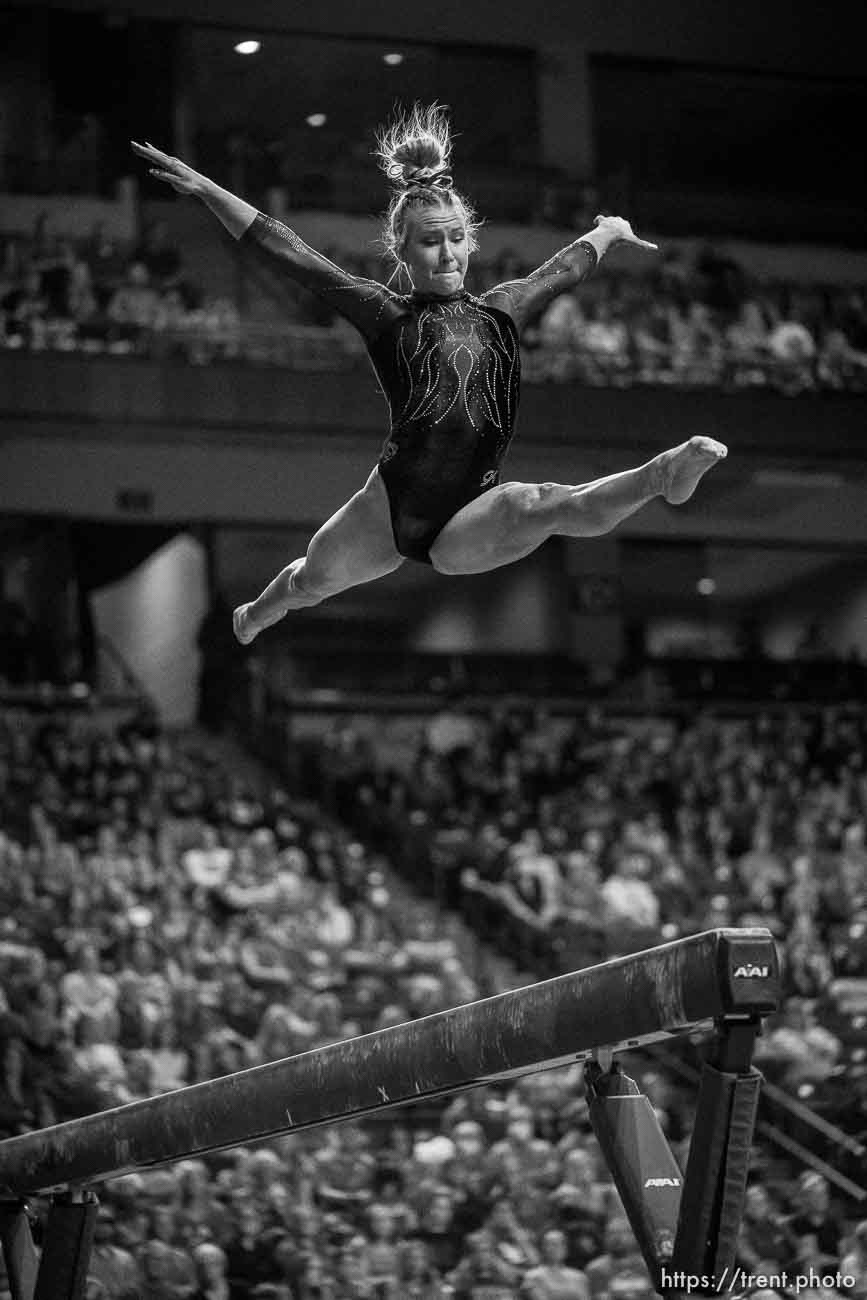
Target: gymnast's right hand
[176,173]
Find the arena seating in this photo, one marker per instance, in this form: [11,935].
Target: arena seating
[210,920]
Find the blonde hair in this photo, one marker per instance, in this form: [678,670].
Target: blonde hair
[414,152]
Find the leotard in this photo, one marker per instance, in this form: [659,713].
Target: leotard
[449,368]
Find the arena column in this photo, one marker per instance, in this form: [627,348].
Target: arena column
[596,624]
[565,110]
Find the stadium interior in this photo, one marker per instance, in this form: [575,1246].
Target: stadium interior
[429,790]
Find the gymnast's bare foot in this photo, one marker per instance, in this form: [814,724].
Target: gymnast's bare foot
[241,625]
[274,603]
[682,467]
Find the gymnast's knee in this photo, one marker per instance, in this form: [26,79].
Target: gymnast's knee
[447,559]
[306,587]
[525,504]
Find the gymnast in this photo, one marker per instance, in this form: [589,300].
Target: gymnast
[448,364]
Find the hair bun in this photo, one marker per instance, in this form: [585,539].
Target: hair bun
[415,149]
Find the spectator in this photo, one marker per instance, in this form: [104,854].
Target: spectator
[854,1261]
[25,309]
[580,1208]
[799,1051]
[107,261]
[159,256]
[209,863]
[700,352]
[580,896]
[439,1230]
[88,990]
[511,1241]
[213,331]
[211,1277]
[553,1279]
[852,866]
[382,1254]
[619,1259]
[133,307]
[629,903]
[98,1057]
[353,1275]
[807,962]
[417,1279]
[557,339]
[561,325]
[815,1225]
[530,888]
[345,1168]
[56,271]
[250,1252]
[793,350]
[167,1273]
[654,343]
[144,993]
[765,1238]
[522,1156]
[84,308]
[839,365]
[169,1064]
[110,1264]
[172,325]
[747,340]
[606,342]
[390,1201]
[761,871]
[483,1273]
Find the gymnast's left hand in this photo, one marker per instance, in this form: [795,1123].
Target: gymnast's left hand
[621,232]
[172,170]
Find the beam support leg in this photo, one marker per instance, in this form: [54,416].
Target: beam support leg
[66,1248]
[19,1252]
[716,1173]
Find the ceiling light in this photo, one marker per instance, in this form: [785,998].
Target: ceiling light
[706,586]
[248,47]
[316,119]
[393,59]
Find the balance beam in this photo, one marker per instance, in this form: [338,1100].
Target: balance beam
[628,1002]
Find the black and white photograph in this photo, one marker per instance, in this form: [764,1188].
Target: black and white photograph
[433,650]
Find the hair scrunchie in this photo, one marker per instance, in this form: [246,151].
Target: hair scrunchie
[424,178]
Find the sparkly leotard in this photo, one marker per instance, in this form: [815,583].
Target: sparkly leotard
[449,368]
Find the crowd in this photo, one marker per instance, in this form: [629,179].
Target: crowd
[704,324]
[700,321]
[564,843]
[98,295]
[166,922]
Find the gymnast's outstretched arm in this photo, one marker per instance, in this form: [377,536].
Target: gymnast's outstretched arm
[366,303]
[524,299]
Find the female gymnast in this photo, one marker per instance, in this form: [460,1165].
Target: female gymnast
[448,364]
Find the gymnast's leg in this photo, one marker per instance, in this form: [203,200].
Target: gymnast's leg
[511,520]
[355,545]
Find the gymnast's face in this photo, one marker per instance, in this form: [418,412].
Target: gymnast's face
[435,251]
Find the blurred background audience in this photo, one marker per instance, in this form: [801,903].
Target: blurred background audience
[170,918]
[667,326]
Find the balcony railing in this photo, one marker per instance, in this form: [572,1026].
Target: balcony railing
[310,347]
